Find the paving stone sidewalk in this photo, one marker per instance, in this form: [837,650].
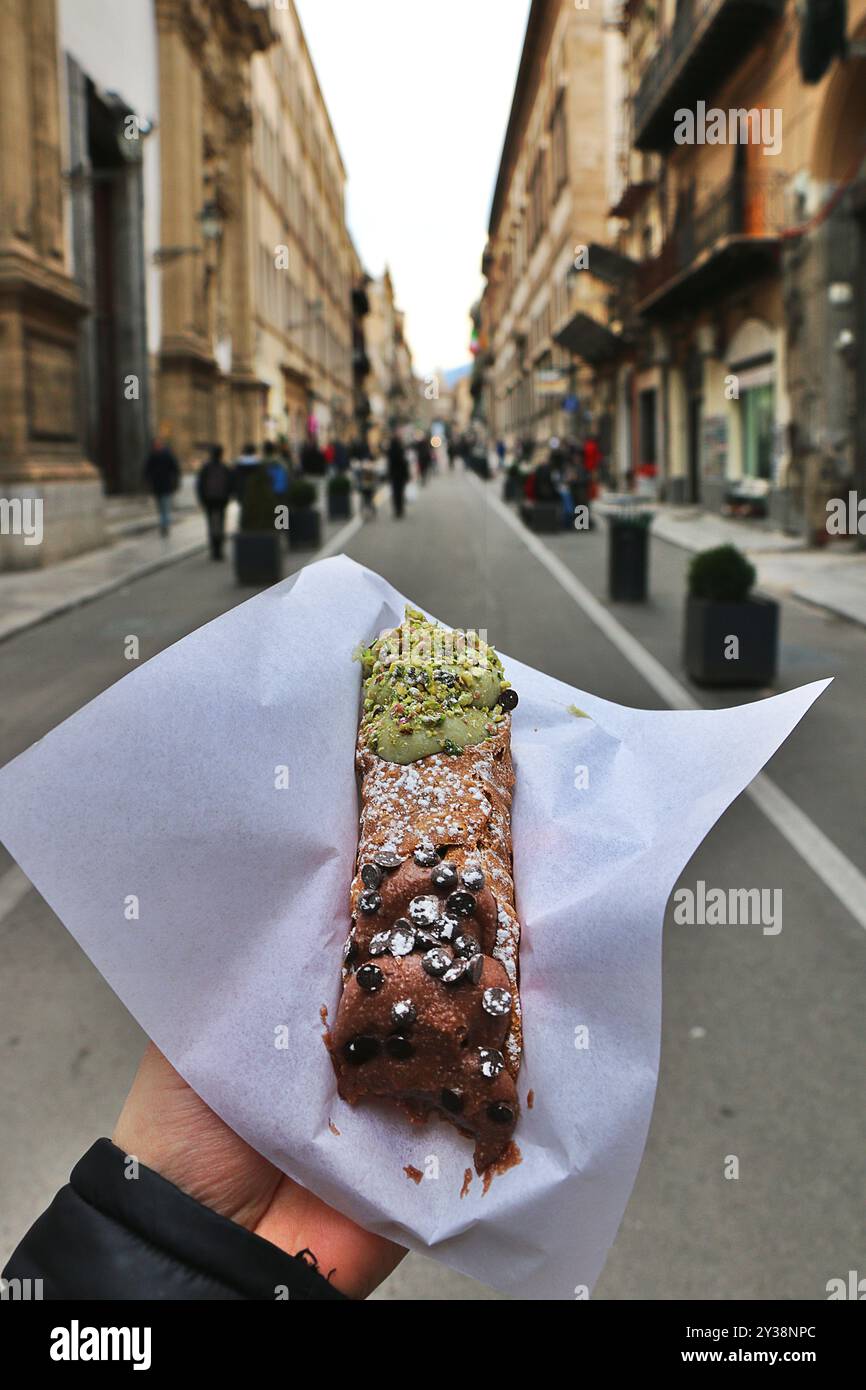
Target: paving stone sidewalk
[833,578]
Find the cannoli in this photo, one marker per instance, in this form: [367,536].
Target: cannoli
[429,1016]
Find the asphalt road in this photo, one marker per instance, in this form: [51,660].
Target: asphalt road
[763,1036]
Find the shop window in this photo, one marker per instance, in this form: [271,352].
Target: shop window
[647,425]
[757,414]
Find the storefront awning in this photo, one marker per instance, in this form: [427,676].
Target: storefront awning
[587,338]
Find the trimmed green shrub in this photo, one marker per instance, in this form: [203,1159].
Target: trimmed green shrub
[722,574]
[339,483]
[301,494]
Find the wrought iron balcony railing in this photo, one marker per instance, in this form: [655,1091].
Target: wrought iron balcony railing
[747,213]
[707,40]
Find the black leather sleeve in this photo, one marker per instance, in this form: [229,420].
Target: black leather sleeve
[107,1236]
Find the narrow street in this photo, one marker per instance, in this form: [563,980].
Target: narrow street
[762,1037]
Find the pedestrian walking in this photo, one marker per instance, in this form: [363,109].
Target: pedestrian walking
[425,458]
[162,473]
[398,474]
[277,470]
[367,480]
[244,465]
[214,490]
[312,458]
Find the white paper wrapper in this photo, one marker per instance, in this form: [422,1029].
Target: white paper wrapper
[164,788]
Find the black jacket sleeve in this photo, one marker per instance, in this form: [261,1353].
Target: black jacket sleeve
[108,1236]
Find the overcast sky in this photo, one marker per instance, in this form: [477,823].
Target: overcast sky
[419,93]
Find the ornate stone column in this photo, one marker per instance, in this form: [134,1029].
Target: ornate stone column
[205,394]
[43,471]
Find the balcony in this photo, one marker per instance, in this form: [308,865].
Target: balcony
[708,39]
[731,237]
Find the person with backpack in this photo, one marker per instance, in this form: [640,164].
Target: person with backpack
[277,470]
[214,489]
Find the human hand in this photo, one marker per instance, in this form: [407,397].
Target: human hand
[169,1128]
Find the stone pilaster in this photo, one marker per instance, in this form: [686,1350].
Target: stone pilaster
[41,456]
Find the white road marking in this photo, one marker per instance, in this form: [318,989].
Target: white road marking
[14,887]
[825,859]
[337,542]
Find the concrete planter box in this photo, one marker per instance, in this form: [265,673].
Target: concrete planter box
[511,488]
[545,517]
[305,529]
[258,558]
[709,625]
[339,506]
[627,560]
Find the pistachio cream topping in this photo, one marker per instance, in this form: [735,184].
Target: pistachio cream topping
[430,690]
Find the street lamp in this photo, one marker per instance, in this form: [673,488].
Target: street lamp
[211,220]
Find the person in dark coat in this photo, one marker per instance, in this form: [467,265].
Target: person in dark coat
[206,1219]
[162,474]
[243,469]
[214,489]
[425,457]
[312,458]
[398,473]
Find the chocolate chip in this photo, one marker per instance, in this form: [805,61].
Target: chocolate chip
[437,961]
[350,950]
[446,678]
[426,939]
[508,698]
[452,1100]
[461,903]
[424,911]
[491,1062]
[454,974]
[496,1002]
[500,1113]
[444,878]
[476,969]
[402,941]
[371,875]
[473,878]
[398,1046]
[380,943]
[465,945]
[370,978]
[403,1013]
[425,858]
[370,901]
[360,1050]
[447,925]
[386,860]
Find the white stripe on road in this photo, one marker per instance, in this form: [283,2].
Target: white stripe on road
[337,542]
[824,858]
[14,887]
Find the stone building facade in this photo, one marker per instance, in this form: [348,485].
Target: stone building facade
[549,202]
[174,257]
[305,263]
[44,467]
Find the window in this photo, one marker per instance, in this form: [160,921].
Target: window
[559,144]
[536,201]
[647,429]
[757,414]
